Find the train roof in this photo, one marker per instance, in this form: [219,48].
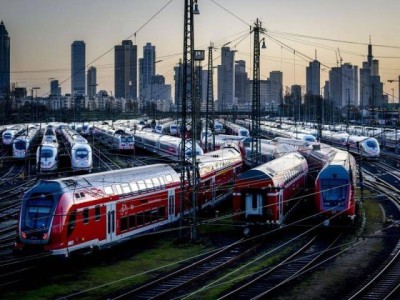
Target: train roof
[112,177]
[274,169]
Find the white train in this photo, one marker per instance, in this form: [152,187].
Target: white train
[367,147]
[235,129]
[23,144]
[117,139]
[79,149]
[9,135]
[164,145]
[47,152]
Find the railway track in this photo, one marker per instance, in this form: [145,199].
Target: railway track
[384,282]
[166,285]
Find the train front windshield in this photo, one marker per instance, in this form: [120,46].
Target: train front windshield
[20,145]
[334,192]
[371,144]
[36,216]
[81,153]
[46,153]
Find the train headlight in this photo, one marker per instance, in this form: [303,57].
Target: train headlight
[44,236]
[23,234]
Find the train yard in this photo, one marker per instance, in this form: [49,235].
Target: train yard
[274,262]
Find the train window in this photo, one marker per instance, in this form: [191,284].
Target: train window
[82,194]
[71,222]
[97,212]
[124,223]
[168,178]
[161,180]
[142,185]
[125,188]
[77,195]
[108,190]
[139,219]
[149,183]
[156,182]
[85,215]
[134,187]
[161,212]
[119,189]
[132,221]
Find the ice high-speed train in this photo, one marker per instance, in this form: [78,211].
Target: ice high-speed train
[80,151]
[367,147]
[117,139]
[83,213]
[11,133]
[166,146]
[47,152]
[23,145]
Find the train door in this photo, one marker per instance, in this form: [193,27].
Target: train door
[280,197]
[171,205]
[111,222]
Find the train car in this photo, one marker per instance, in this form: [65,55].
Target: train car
[219,139]
[166,146]
[24,144]
[335,188]
[80,151]
[87,212]
[9,135]
[117,139]
[235,129]
[47,154]
[367,147]
[263,195]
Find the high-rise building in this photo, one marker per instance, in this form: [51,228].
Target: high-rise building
[313,78]
[147,66]
[4,61]
[125,71]
[226,79]
[343,85]
[55,89]
[371,87]
[78,64]
[276,78]
[240,82]
[91,82]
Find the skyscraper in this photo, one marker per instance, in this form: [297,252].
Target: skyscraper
[313,78]
[125,72]
[91,82]
[148,67]
[55,89]
[4,61]
[78,63]
[226,79]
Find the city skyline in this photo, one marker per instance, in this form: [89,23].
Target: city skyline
[41,34]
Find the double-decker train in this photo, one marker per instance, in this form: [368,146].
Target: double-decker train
[263,195]
[87,212]
[23,145]
[47,152]
[335,188]
[79,150]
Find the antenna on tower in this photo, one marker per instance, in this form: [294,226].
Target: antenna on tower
[315,54]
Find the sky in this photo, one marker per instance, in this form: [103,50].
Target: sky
[296,32]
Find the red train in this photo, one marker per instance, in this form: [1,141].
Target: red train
[335,188]
[262,195]
[88,212]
